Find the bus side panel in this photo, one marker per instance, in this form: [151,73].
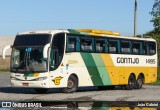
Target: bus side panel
[102,71]
[122,75]
[72,64]
[94,69]
[151,76]
[127,63]
[113,72]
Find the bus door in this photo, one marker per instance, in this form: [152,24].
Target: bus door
[57,51]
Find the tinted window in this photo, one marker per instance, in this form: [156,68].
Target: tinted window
[86,44]
[71,44]
[57,50]
[100,44]
[32,40]
[58,42]
[125,46]
[152,48]
[113,46]
[144,46]
[136,47]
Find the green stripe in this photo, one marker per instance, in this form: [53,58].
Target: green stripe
[28,75]
[101,68]
[73,31]
[92,69]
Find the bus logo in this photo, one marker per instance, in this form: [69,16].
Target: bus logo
[57,80]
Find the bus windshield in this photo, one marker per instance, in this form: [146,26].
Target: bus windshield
[28,60]
[32,40]
[27,53]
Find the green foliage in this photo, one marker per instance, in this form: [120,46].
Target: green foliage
[157,38]
[4,70]
[152,33]
[156,83]
[139,36]
[156,32]
[156,16]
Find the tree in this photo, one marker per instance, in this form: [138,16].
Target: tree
[156,16]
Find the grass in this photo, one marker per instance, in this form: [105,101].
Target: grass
[157,82]
[4,70]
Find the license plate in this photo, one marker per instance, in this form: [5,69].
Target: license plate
[25,84]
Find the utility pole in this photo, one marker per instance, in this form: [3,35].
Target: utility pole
[135,18]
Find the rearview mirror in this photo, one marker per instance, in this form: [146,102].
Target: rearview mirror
[4,50]
[45,50]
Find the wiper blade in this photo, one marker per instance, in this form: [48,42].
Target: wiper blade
[30,66]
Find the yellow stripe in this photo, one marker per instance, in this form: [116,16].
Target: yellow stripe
[98,32]
[120,75]
[94,34]
[36,74]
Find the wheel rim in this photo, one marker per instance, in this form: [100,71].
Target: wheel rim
[139,82]
[70,84]
[131,83]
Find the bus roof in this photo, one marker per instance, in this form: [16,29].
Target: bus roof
[93,32]
[104,33]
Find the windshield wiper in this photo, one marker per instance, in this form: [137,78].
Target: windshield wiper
[28,62]
[30,66]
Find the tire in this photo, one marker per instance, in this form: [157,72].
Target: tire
[72,85]
[139,82]
[41,90]
[131,83]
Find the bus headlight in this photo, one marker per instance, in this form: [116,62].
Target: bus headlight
[41,78]
[13,78]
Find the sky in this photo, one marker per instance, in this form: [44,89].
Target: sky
[115,15]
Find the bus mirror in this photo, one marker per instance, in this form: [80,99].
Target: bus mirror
[4,50]
[45,50]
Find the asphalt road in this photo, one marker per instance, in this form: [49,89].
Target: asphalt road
[8,93]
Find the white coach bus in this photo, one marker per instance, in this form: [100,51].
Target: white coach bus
[70,59]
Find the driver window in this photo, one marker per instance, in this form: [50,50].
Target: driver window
[57,50]
[16,58]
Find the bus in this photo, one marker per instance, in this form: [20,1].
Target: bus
[71,58]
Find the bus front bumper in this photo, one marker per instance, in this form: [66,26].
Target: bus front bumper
[30,84]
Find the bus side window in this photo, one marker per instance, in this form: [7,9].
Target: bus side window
[100,44]
[136,47]
[52,59]
[144,48]
[71,44]
[86,44]
[152,48]
[113,46]
[125,47]
[57,50]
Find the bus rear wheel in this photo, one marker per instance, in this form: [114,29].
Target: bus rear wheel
[131,83]
[72,85]
[139,82]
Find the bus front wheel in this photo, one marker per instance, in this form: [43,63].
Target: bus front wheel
[131,82]
[72,85]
